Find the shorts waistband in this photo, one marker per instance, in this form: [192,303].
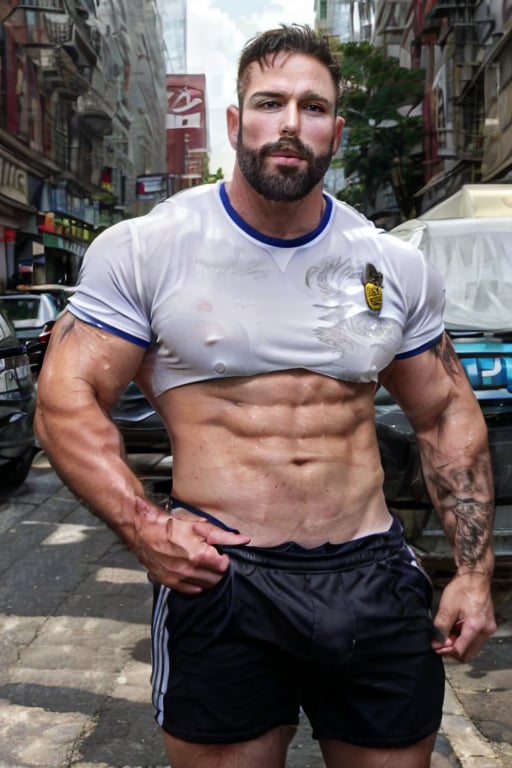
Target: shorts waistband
[290,556]
[211,519]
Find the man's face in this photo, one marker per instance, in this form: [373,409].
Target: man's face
[287,128]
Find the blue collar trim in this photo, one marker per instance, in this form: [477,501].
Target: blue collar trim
[276,241]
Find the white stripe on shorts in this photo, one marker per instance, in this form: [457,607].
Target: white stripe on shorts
[160,654]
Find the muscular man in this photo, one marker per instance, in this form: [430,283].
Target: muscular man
[259,317]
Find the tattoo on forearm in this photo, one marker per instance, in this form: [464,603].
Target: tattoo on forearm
[473,531]
[472,518]
[446,353]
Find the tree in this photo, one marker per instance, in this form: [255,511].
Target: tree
[376,94]
[210,178]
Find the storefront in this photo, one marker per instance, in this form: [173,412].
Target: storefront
[16,213]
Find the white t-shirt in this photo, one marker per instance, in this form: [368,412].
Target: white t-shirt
[209,297]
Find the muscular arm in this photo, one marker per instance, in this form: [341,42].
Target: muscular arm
[437,398]
[84,373]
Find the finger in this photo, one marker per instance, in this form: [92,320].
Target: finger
[463,643]
[444,641]
[176,585]
[184,588]
[439,637]
[190,581]
[444,622]
[218,536]
[469,644]
[192,548]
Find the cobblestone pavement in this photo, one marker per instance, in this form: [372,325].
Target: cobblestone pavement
[74,643]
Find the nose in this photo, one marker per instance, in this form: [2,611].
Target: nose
[290,120]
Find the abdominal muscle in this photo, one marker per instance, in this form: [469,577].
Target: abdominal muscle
[288,456]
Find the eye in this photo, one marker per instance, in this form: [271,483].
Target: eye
[315,108]
[269,104]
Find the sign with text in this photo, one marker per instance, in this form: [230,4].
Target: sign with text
[186,122]
[151,187]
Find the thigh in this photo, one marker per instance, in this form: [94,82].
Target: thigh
[268,750]
[338,754]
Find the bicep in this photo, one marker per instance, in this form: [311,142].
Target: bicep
[83,361]
[430,385]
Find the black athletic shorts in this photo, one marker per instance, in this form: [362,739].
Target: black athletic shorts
[342,631]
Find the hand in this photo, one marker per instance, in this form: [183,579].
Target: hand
[465,618]
[179,550]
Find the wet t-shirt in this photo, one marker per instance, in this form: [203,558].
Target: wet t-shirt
[209,297]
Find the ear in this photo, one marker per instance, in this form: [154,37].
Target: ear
[338,130]
[233,124]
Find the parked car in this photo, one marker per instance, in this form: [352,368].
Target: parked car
[29,312]
[36,347]
[59,292]
[33,312]
[17,405]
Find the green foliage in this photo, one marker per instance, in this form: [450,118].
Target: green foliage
[211,178]
[380,137]
[352,194]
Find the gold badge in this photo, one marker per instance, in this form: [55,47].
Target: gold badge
[373,288]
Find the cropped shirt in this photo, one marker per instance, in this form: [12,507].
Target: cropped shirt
[210,297]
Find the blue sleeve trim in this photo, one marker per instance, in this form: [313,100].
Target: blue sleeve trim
[419,350]
[110,328]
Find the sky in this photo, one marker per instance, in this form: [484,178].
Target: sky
[216,32]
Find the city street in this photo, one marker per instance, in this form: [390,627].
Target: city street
[74,643]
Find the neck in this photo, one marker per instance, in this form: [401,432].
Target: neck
[285,220]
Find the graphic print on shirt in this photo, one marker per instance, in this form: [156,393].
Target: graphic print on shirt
[347,325]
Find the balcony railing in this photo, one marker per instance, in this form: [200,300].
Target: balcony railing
[95,113]
[59,29]
[58,71]
[49,6]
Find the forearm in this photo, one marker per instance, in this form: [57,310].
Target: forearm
[86,450]
[451,434]
[461,487]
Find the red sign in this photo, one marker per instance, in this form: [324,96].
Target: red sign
[186,127]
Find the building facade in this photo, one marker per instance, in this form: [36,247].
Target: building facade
[466,51]
[82,115]
[464,48]
[186,121]
[346,20]
[174,23]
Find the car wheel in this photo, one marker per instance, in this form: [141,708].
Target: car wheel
[14,472]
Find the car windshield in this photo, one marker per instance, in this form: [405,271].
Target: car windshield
[22,308]
[475,258]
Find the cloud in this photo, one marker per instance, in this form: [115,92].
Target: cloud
[217,31]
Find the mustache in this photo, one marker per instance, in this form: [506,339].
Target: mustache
[289,143]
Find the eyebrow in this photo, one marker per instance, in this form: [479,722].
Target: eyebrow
[306,96]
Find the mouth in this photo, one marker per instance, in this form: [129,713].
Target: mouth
[286,156]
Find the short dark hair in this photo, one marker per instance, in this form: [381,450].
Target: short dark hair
[294,38]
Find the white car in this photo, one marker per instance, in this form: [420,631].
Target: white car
[29,312]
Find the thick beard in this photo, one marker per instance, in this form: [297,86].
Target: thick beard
[283,184]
